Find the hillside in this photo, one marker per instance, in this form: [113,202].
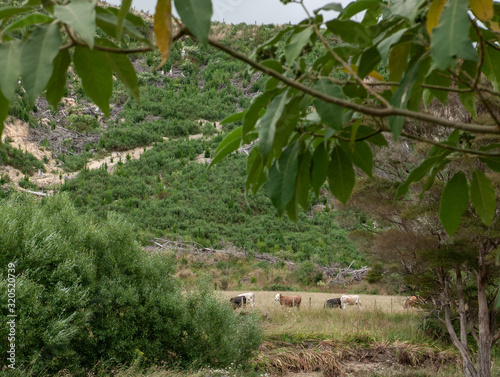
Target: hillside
[147,161]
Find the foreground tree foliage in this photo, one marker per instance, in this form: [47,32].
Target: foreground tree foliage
[317,121]
[86,293]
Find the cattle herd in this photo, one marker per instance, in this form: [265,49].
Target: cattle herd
[294,301]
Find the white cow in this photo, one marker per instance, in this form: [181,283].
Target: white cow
[350,300]
[250,296]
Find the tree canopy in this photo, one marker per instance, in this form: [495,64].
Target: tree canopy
[318,119]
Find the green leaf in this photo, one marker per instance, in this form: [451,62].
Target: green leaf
[31,19]
[304,179]
[336,7]
[4,111]
[492,162]
[6,13]
[108,22]
[57,83]
[296,43]
[416,175]
[369,61]
[454,201]
[450,39]
[268,124]
[341,176]
[365,131]
[398,62]
[491,65]
[362,157]
[330,114]
[255,168]
[196,14]
[282,178]
[439,79]
[468,99]
[291,208]
[406,8]
[319,170]
[123,68]
[350,32]
[483,197]
[286,124]
[81,17]
[124,9]
[10,66]
[385,45]
[96,75]
[254,111]
[37,58]
[227,146]
[234,118]
[400,99]
[356,7]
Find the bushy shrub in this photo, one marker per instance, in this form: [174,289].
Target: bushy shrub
[24,161]
[86,294]
[84,123]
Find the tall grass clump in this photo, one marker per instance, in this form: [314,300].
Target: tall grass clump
[87,295]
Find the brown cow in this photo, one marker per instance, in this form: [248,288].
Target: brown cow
[413,301]
[288,300]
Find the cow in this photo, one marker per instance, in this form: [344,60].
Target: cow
[413,301]
[288,300]
[250,296]
[238,301]
[350,300]
[333,303]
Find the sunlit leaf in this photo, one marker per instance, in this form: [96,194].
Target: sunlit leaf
[433,15]
[450,39]
[268,123]
[81,17]
[227,146]
[10,66]
[296,43]
[483,9]
[121,17]
[163,28]
[454,201]
[196,14]
[30,19]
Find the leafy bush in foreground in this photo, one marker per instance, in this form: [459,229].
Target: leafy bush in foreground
[86,293]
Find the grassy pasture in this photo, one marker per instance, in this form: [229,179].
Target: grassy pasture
[265,301]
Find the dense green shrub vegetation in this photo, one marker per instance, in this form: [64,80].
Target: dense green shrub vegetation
[87,294]
[24,161]
[166,194]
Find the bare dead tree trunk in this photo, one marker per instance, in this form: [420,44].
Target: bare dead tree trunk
[484,333]
[468,366]
[463,320]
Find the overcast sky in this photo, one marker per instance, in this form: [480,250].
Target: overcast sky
[250,11]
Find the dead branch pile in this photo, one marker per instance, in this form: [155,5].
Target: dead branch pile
[334,275]
[346,275]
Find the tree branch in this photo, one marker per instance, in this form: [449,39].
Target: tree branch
[382,113]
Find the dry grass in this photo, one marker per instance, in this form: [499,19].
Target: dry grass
[265,301]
